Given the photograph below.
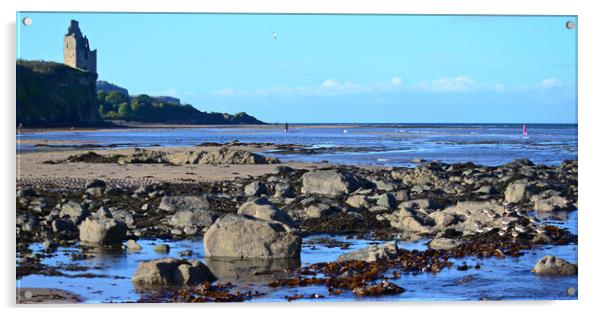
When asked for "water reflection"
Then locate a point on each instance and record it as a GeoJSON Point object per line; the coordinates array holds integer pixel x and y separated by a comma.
{"type": "Point", "coordinates": [251, 271]}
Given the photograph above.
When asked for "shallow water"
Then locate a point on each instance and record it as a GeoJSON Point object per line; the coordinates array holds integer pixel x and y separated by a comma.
{"type": "Point", "coordinates": [381, 144]}
{"type": "Point", "coordinates": [508, 278]}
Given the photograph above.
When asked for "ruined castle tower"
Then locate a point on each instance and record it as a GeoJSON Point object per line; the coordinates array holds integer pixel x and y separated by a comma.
{"type": "Point", "coordinates": [76, 49]}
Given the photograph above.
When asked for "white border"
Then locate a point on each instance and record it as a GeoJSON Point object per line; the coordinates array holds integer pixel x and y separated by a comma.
{"type": "Point", "coordinates": [589, 27]}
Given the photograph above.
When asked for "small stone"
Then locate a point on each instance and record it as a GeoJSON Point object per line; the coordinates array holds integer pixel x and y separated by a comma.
{"type": "Point", "coordinates": [161, 248]}
{"type": "Point", "coordinates": [133, 246]}
{"type": "Point", "coordinates": [185, 253]}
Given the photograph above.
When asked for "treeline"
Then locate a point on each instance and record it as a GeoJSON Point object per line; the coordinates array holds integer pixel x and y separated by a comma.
{"type": "Point", "coordinates": [144, 108]}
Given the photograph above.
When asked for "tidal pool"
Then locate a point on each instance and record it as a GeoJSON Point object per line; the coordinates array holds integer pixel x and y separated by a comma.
{"type": "Point", "coordinates": [497, 279]}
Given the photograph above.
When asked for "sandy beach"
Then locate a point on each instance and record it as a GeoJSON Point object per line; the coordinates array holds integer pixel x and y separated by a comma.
{"type": "Point", "coordinates": [32, 169]}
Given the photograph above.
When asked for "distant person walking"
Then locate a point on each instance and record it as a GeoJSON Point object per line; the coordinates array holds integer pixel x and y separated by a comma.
{"type": "Point", "coordinates": [286, 127]}
{"type": "Point", "coordinates": [524, 130]}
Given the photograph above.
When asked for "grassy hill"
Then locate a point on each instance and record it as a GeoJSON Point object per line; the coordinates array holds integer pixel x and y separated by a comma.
{"type": "Point", "coordinates": [51, 95]}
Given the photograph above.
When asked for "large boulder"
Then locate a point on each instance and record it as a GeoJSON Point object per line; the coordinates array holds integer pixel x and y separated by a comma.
{"type": "Point", "coordinates": [443, 219]}
{"type": "Point", "coordinates": [124, 216]}
{"type": "Point", "coordinates": [283, 190]}
{"type": "Point", "coordinates": [474, 206]}
{"type": "Point", "coordinates": [387, 200]}
{"type": "Point", "coordinates": [263, 209]}
{"type": "Point", "coordinates": [516, 192]}
{"type": "Point", "coordinates": [330, 182]}
{"type": "Point", "coordinates": [255, 188]}
{"type": "Point", "coordinates": [553, 203]}
{"type": "Point", "coordinates": [409, 221]}
{"type": "Point", "coordinates": [102, 231]}
{"type": "Point", "coordinates": [244, 237]}
{"type": "Point", "coordinates": [317, 210]}
{"type": "Point", "coordinates": [192, 218]}
{"type": "Point", "coordinates": [173, 204]}
{"type": "Point", "coordinates": [385, 251]}
{"type": "Point", "coordinates": [170, 271]}
{"type": "Point", "coordinates": [419, 204]}
{"type": "Point", "coordinates": [74, 211]}
{"type": "Point", "coordinates": [551, 265]}
{"type": "Point", "coordinates": [358, 201]}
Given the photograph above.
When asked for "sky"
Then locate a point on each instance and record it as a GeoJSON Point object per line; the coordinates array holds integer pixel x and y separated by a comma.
{"type": "Point", "coordinates": [333, 68]}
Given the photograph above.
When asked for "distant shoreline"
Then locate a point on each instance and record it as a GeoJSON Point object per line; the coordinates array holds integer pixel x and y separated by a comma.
{"type": "Point", "coordinates": [131, 126]}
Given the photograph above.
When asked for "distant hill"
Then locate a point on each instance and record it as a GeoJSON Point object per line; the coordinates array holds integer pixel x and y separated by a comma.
{"type": "Point", "coordinates": [107, 87]}
{"type": "Point", "coordinates": [147, 109]}
{"type": "Point", "coordinates": [50, 94]}
{"type": "Point", "coordinates": [54, 95]}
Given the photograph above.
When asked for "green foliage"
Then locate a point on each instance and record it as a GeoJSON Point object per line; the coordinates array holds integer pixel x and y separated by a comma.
{"type": "Point", "coordinates": [125, 110]}
{"type": "Point", "coordinates": [51, 95]}
{"type": "Point", "coordinates": [144, 108]}
{"type": "Point", "coordinates": [115, 97]}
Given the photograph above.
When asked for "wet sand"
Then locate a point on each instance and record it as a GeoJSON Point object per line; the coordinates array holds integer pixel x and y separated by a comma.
{"type": "Point", "coordinates": [32, 169]}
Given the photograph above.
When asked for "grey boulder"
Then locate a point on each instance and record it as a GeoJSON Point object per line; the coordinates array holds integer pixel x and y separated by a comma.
{"type": "Point", "coordinates": [244, 237]}
{"type": "Point", "coordinates": [330, 182]}
{"type": "Point", "coordinates": [255, 188]}
{"type": "Point", "coordinates": [76, 212]}
{"type": "Point", "coordinates": [102, 231]}
{"type": "Point", "coordinates": [263, 209]}
{"type": "Point", "coordinates": [192, 218]}
{"type": "Point", "coordinates": [171, 271]}
{"type": "Point", "coordinates": [385, 251]}
{"type": "Point", "coordinates": [551, 265]}
{"type": "Point", "coordinates": [516, 192]}
{"type": "Point", "coordinates": [173, 204]}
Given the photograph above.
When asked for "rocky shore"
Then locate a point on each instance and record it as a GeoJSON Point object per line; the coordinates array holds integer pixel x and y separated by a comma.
{"type": "Point", "coordinates": [463, 209]}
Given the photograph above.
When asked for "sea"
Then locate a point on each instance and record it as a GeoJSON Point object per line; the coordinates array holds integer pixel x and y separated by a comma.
{"type": "Point", "coordinates": [372, 144]}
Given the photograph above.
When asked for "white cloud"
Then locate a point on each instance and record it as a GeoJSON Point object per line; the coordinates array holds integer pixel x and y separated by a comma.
{"type": "Point", "coordinates": [396, 81]}
{"type": "Point", "coordinates": [551, 83]}
{"type": "Point", "coordinates": [331, 83]}
{"type": "Point", "coordinates": [457, 84]}
{"type": "Point", "coordinates": [331, 87]}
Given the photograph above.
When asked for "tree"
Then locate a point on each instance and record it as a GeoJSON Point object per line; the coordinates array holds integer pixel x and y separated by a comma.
{"type": "Point", "coordinates": [124, 110]}
{"type": "Point", "coordinates": [101, 96]}
{"type": "Point", "coordinates": [115, 97]}
{"type": "Point", "coordinates": [105, 108]}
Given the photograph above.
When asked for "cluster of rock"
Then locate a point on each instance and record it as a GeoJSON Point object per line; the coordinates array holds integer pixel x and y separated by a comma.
{"type": "Point", "coordinates": [265, 217]}
{"type": "Point", "coordinates": [219, 156]}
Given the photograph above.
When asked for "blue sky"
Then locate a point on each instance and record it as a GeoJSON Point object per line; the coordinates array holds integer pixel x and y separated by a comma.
{"type": "Point", "coordinates": [333, 68]}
